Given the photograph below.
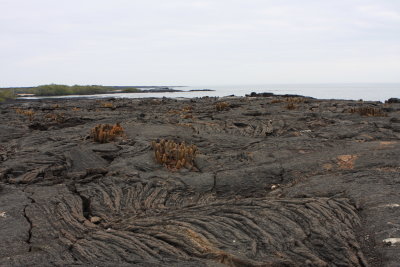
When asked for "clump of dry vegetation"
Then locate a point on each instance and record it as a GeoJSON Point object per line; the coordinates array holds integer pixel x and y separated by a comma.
{"type": "Point", "coordinates": [369, 111]}
{"type": "Point", "coordinates": [57, 117]}
{"type": "Point", "coordinates": [295, 100]}
{"type": "Point", "coordinates": [107, 105]}
{"type": "Point", "coordinates": [220, 106]}
{"type": "Point", "coordinates": [187, 109]}
{"type": "Point", "coordinates": [185, 112]}
{"type": "Point", "coordinates": [277, 100]}
{"type": "Point", "coordinates": [290, 100]}
{"type": "Point", "coordinates": [29, 113]}
{"type": "Point", "coordinates": [290, 106]}
{"type": "Point", "coordinates": [174, 156]}
{"type": "Point", "coordinates": [104, 133]}
{"type": "Point", "coordinates": [187, 116]}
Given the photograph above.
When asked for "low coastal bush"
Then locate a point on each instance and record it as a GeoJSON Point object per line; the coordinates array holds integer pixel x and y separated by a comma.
{"type": "Point", "coordinates": [58, 89]}
{"type": "Point", "coordinates": [104, 133]}
{"type": "Point", "coordinates": [6, 94]}
{"type": "Point", "coordinates": [131, 90]}
{"type": "Point", "coordinates": [368, 112]}
{"type": "Point", "coordinates": [174, 156]}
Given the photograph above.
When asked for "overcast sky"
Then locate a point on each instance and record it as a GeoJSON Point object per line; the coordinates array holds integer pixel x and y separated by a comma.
{"type": "Point", "coordinates": [185, 42]}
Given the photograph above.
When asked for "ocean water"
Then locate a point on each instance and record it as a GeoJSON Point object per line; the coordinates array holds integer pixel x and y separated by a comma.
{"type": "Point", "coordinates": [367, 92]}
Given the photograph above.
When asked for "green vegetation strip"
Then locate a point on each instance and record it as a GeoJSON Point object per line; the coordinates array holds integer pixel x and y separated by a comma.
{"type": "Point", "coordinates": [59, 90]}
{"type": "Point", "coordinates": [6, 94]}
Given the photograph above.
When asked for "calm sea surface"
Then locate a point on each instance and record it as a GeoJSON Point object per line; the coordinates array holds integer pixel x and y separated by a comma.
{"type": "Point", "coordinates": [373, 92]}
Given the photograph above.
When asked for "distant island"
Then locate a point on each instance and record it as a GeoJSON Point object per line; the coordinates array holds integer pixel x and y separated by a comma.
{"type": "Point", "coordinates": [65, 90]}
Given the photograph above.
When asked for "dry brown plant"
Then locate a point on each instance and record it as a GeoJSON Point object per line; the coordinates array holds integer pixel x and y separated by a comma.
{"type": "Point", "coordinates": [174, 156]}
{"type": "Point", "coordinates": [104, 133]}
{"type": "Point", "coordinates": [29, 113]}
{"type": "Point", "coordinates": [57, 117]}
{"type": "Point", "coordinates": [187, 109]}
{"type": "Point", "coordinates": [275, 101]}
{"type": "Point", "coordinates": [369, 112]}
{"type": "Point", "coordinates": [220, 106]}
{"type": "Point", "coordinates": [185, 112]}
{"type": "Point", "coordinates": [295, 100]}
{"type": "Point", "coordinates": [107, 105]}
{"type": "Point", "coordinates": [290, 106]}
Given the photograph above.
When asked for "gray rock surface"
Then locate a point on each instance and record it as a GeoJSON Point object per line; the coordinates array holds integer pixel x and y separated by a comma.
{"type": "Point", "coordinates": [311, 186]}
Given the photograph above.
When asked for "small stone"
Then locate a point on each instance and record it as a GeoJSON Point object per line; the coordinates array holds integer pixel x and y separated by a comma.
{"type": "Point", "coordinates": [95, 219]}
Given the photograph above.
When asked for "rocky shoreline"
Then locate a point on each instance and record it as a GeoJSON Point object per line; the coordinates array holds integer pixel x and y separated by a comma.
{"type": "Point", "coordinates": [276, 181]}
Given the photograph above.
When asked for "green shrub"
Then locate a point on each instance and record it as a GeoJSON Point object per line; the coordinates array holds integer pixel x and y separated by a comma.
{"type": "Point", "coordinates": [130, 90]}
{"type": "Point", "coordinates": [6, 94]}
{"type": "Point", "coordinates": [58, 89]}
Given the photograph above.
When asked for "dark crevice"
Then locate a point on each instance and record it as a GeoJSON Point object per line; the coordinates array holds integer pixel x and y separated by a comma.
{"type": "Point", "coordinates": [85, 206]}
{"type": "Point", "coordinates": [86, 210]}
{"type": "Point", "coordinates": [215, 183]}
{"type": "Point", "coordinates": [109, 157]}
{"type": "Point", "coordinates": [28, 241]}
{"type": "Point", "coordinates": [281, 173]}
{"type": "Point", "coordinates": [29, 196]}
